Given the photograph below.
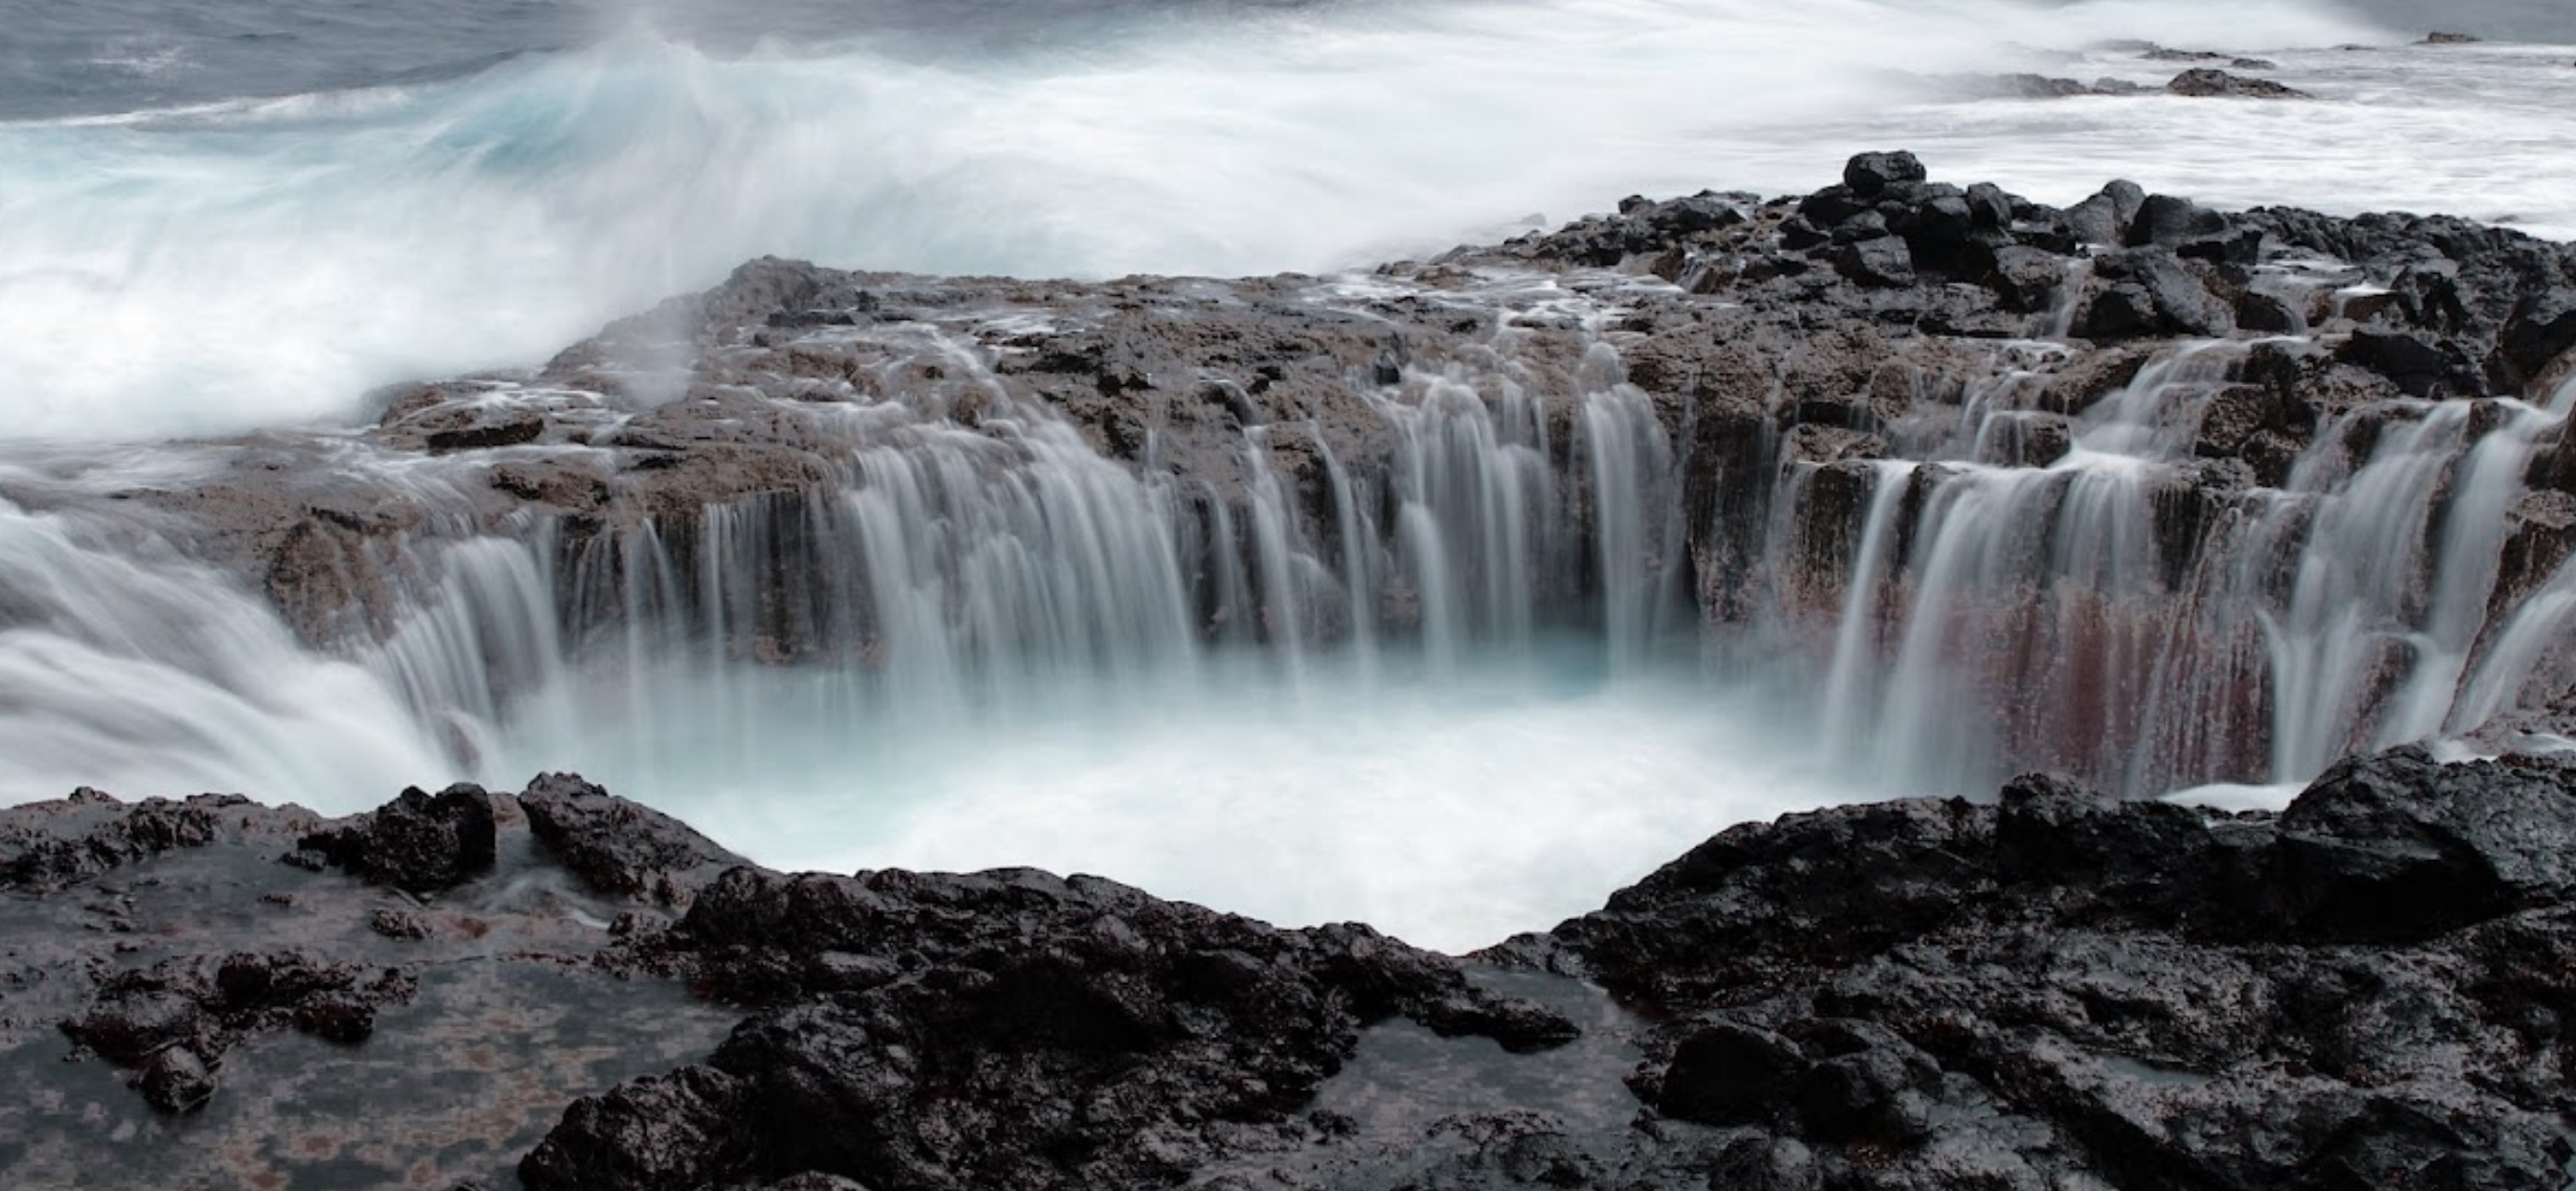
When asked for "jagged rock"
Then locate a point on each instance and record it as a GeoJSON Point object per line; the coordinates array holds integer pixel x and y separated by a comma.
{"type": "Point", "coordinates": [2420, 364]}
{"type": "Point", "coordinates": [2540, 332]}
{"type": "Point", "coordinates": [2105, 217]}
{"type": "Point", "coordinates": [420, 843]}
{"type": "Point", "coordinates": [177, 1081]}
{"type": "Point", "coordinates": [1868, 174]}
{"type": "Point", "coordinates": [48, 844]}
{"type": "Point", "coordinates": [1076, 1033]}
{"type": "Point", "coordinates": [2208, 82]}
{"type": "Point", "coordinates": [1884, 261]}
{"type": "Point", "coordinates": [619, 847]}
{"type": "Point", "coordinates": [2121, 991]}
{"type": "Point", "coordinates": [2399, 847]}
{"type": "Point", "coordinates": [2152, 292]}
{"type": "Point", "coordinates": [691, 1128]}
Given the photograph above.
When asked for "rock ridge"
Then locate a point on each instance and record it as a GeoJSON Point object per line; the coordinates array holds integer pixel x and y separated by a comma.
{"type": "Point", "coordinates": [2048, 990]}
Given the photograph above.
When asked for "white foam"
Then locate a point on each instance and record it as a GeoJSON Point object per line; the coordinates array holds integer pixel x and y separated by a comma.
{"type": "Point", "coordinates": [251, 264]}
{"type": "Point", "coordinates": [1453, 813]}
{"type": "Point", "coordinates": [2232, 796]}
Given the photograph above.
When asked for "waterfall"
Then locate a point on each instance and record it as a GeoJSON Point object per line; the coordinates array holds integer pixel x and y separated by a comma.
{"type": "Point", "coordinates": [2005, 578]}
{"type": "Point", "coordinates": [2113, 614]}
{"type": "Point", "coordinates": [126, 666]}
{"type": "Point", "coordinates": [949, 576]}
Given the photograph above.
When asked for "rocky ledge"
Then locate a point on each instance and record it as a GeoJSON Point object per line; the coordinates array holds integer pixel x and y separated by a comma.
{"type": "Point", "coordinates": [1311, 455]}
{"type": "Point", "coordinates": [560, 989]}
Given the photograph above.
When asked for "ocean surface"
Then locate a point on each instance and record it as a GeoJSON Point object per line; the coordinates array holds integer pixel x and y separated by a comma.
{"type": "Point", "coordinates": [229, 215]}
{"type": "Point", "coordinates": [233, 215]}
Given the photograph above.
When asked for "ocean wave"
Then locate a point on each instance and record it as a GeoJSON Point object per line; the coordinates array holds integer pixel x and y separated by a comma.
{"type": "Point", "coordinates": [251, 263]}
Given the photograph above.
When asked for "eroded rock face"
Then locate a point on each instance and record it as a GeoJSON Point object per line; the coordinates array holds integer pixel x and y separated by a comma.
{"type": "Point", "coordinates": [2049, 990]}
{"type": "Point", "coordinates": [419, 843]}
{"type": "Point", "coordinates": [315, 1028]}
{"type": "Point", "coordinates": [1768, 340]}
{"type": "Point", "coordinates": [618, 847]}
{"type": "Point", "coordinates": [1008, 1028]}
{"type": "Point", "coordinates": [2345, 994]}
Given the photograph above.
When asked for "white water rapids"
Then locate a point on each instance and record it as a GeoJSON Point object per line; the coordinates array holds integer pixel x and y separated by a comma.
{"type": "Point", "coordinates": [1490, 761]}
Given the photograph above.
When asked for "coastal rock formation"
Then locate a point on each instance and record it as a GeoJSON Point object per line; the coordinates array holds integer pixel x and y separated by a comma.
{"type": "Point", "coordinates": [1750, 418]}
{"type": "Point", "coordinates": [2056, 985]}
{"type": "Point", "coordinates": [2048, 990]}
{"type": "Point", "coordinates": [2133, 490]}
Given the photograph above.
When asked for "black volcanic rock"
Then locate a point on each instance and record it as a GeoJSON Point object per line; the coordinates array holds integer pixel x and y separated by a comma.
{"type": "Point", "coordinates": [1883, 261]}
{"type": "Point", "coordinates": [2344, 995]}
{"type": "Point", "coordinates": [47, 844]}
{"type": "Point", "coordinates": [691, 1128]}
{"type": "Point", "coordinates": [1010, 1028]}
{"type": "Point", "coordinates": [619, 847]}
{"type": "Point", "coordinates": [2207, 82]}
{"type": "Point", "coordinates": [2052, 989]}
{"type": "Point", "coordinates": [1869, 174]}
{"type": "Point", "coordinates": [419, 842]}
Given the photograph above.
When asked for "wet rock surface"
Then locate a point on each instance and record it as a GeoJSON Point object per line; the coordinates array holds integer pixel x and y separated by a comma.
{"type": "Point", "coordinates": [1736, 314]}
{"type": "Point", "coordinates": [420, 843]}
{"type": "Point", "coordinates": [2048, 990]}
{"type": "Point", "coordinates": [1865, 322]}
{"type": "Point", "coordinates": [202, 1015]}
{"type": "Point", "coordinates": [2059, 988]}
{"type": "Point", "coordinates": [559, 988]}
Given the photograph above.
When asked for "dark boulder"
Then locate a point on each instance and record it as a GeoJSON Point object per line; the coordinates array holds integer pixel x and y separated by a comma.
{"type": "Point", "coordinates": [619, 847]}
{"type": "Point", "coordinates": [2541, 330]}
{"type": "Point", "coordinates": [1868, 174]}
{"type": "Point", "coordinates": [2104, 218]}
{"type": "Point", "coordinates": [2210, 82]}
{"type": "Point", "coordinates": [2421, 364]}
{"type": "Point", "coordinates": [419, 842]}
{"type": "Point", "coordinates": [2150, 291]}
{"type": "Point", "coordinates": [177, 1081]}
{"type": "Point", "coordinates": [2398, 846]}
{"type": "Point", "coordinates": [1730, 1074]}
{"type": "Point", "coordinates": [1884, 261]}
{"type": "Point", "coordinates": [691, 1128]}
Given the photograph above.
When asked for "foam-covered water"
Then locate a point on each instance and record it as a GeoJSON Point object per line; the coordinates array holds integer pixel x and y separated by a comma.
{"type": "Point", "coordinates": [1453, 808]}
{"type": "Point", "coordinates": [240, 263]}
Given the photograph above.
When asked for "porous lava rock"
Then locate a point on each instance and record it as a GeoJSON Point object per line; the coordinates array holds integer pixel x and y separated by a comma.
{"type": "Point", "coordinates": [419, 843]}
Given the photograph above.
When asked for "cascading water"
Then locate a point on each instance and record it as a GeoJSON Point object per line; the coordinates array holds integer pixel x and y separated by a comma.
{"type": "Point", "coordinates": [124, 664]}
{"type": "Point", "coordinates": [1374, 677]}
{"type": "Point", "coordinates": [977, 607]}
{"type": "Point", "coordinates": [2103, 615]}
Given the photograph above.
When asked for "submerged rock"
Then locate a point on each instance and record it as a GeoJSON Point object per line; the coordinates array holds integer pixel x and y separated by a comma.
{"type": "Point", "coordinates": [2206, 82]}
